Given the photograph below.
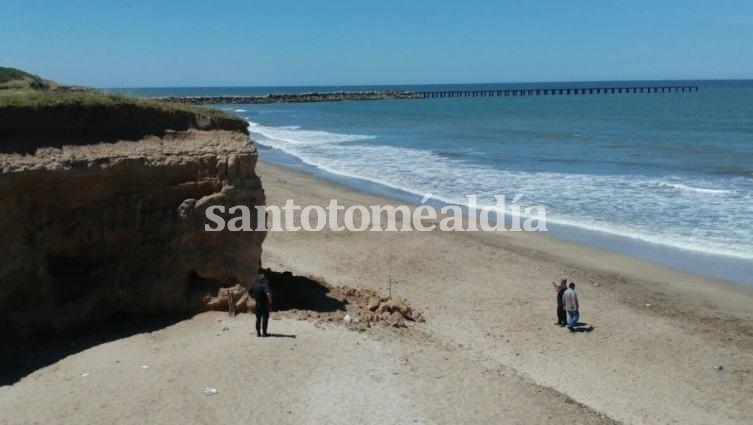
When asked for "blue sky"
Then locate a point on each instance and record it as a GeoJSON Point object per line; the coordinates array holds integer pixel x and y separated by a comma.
{"type": "Point", "coordinates": [138, 43]}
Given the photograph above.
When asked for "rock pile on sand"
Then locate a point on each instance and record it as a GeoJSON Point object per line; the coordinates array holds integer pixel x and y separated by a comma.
{"type": "Point", "coordinates": [368, 307]}
{"type": "Point", "coordinates": [363, 308]}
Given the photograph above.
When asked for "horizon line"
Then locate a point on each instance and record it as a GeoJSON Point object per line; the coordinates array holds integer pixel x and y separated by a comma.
{"type": "Point", "coordinates": [421, 84]}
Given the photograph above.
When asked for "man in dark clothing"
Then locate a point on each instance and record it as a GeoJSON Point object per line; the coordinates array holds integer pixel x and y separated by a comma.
{"type": "Point", "coordinates": [262, 295]}
{"type": "Point", "coordinates": [560, 289]}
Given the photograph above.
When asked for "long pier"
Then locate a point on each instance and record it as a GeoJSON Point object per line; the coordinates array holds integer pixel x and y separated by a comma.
{"type": "Point", "coordinates": [558, 91]}
{"type": "Point", "coordinates": [429, 94]}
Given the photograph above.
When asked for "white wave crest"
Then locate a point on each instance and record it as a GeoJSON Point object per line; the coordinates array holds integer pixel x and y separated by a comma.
{"type": "Point", "coordinates": [692, 189]}
{"type": "Point", "coordinates": [285, 136]}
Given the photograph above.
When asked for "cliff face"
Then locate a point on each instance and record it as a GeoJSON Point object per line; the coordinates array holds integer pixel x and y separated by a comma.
{"type": "Point", "coordinates": [93, 230]}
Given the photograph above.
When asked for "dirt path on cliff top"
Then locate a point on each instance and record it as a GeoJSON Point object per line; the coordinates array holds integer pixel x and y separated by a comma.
{"type": "Point", "coordinates": [668, 347]}
{"type": "Point", "coordinates": [312, 373]}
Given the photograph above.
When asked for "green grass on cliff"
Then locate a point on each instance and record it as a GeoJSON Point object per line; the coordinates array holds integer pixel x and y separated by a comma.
{"type": "Point", "coordinates": [10, 74]}
{"type": "Point", "coordinates": [22, 90]}
{"type": "Point", "coordinates": [63, 97]}
{"type": "Point", "coordinates": [12, 78]}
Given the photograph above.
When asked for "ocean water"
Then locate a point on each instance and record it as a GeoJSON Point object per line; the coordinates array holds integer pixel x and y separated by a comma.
{"type": "Point", "coordinates": [667, 177]}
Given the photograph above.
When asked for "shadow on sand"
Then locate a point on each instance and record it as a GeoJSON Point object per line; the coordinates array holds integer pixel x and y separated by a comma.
{"type": "Point", "coordinates": [20, 358]}
{"type": "Point", "coordinates": [271, 335]}
{"type": "Point", "coordinates": [302, 293]}
{"type": "Point", "coordinates": [582, 327]}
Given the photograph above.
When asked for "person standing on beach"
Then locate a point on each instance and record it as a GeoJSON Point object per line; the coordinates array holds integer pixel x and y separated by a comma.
{"type": "Point", "coordinates": [560, 290]}
{"type": "Point", "coordinates": [570, 300]}
{"type": "Point", "coordinates": [262, 296]}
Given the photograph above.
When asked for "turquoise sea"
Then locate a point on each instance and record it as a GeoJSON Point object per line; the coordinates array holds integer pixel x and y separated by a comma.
{"type": "Point", "coordinates": [665, 177]}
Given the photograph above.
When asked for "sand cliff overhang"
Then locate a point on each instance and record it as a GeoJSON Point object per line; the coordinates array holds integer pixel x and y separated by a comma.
{"type": "Point", "coordinates": [95, 229]}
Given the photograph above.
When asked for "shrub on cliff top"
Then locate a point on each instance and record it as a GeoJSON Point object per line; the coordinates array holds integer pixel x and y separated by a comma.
{"type": "Point", "coordinates": [15, 78]}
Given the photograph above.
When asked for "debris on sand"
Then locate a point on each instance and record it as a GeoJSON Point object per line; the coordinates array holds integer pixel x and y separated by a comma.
{"type": "Point", "coordinates": [305, 298]}
{"type": "Point", "coordinates": [368, 308]}
{"type": "Point", "coordinates": [310, 298]}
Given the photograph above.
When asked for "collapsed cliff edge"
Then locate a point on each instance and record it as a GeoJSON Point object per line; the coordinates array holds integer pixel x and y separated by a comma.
{"type": "Point", "coordinates": [102, 207]}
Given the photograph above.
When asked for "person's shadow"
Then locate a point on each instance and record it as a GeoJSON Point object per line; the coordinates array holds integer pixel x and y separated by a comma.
{"type": "Point", "coordinates": [272, 335]}
{"type": "Point", "coordinates": [582, 327]}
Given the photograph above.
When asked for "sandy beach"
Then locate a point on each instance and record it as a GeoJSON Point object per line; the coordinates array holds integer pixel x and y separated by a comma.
{"type": "Point", "coordinates": [667, 346]}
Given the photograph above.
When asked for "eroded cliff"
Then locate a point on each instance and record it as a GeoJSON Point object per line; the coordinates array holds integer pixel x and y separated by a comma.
{"type": "Point", "coordinates": [89, 231]}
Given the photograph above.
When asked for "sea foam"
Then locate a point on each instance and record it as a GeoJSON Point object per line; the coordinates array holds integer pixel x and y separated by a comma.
{"type": "Point", "coordinates": [660, 212]}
